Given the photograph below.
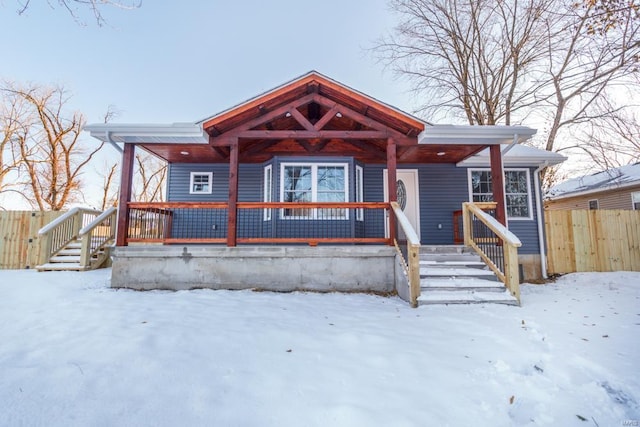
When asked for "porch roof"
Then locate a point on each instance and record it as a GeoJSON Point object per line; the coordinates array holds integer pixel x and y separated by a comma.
{"type": "Point", "coordinates": [311, 115]}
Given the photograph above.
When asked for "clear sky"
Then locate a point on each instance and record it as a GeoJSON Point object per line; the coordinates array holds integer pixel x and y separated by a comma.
{"type": "Point", "coordinates": [172, 61]}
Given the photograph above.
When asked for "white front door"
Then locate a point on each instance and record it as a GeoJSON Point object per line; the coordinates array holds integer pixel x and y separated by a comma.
{"type": "Point", "coordinates": [408, 195]}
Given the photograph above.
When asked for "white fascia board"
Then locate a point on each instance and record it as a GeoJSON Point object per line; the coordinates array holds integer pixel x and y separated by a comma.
{"type": "Point", "coordinates": [174, 133]}
{"type": "Point", "coordinates": [519, 155]}
{"type": "Point", "coordinates": [474, 135]}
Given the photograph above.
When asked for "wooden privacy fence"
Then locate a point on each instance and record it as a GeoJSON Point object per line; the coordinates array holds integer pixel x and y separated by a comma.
{"type": "Point", "coordinates": [592, 240]}
{"type": "Point", "coordinates": [20, 244]}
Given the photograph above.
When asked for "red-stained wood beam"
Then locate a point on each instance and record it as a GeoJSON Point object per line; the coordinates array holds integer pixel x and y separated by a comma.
{"type": "Point", "coordinates": [327, 117]}
{"type": "Point", "coordinates": [391, 184]}
{"type": "Point", "coordinates": [267, 116]}
{"type": "Point", "coordinates": [366, 121]}
{"type": "Point", "coordinates": [233, 196]}
{"type": "Point", "coordinates": [301, 119]}
{"type": "Point", "coordinates": [497, 183]}
{"type": "Point", "coordinates": [126, 179]}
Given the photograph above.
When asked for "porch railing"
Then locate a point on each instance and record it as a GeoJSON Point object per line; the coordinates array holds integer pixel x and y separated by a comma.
{"type": "Point", "coordinates": [408, 245]}
{"type": "Point", "coordinates": [95, 235]}
{"type": "Point", "coordinates": [58, 233]}
{"type": "Point", "coordinates": [257, 222]}
{"type": "Point", "coordinates": [495, 244]}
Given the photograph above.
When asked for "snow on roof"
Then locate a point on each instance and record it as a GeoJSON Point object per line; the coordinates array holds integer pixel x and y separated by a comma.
{"type": "Point", "coordinates": [517, 155]}
{"type": "Point", "coordinates": [621, 177]}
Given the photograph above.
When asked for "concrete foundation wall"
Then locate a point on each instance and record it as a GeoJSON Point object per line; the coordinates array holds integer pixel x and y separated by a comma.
{"type": "Point", "coordinates": [321, 268]}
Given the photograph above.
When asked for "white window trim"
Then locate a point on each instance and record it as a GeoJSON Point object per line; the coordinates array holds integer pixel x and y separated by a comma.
{"type": "Point", "coordinates": [209, 176]}
{"type": "Point", "coordinates": [314, 178]}
{"type": "Point", "coordinates": [268, 190]}
{"type": "Point", "coordinates": [597, 204]}
{"type": "Point", "coordinates": [529, 189]}
{"type": "Point", "coordinates": [359, 192]}
{"type": "Point", "coordinates": [633, 202]}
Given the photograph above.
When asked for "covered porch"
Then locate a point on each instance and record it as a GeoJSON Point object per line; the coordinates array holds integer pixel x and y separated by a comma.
{"type": "Point", "coordinates": [292, 167]}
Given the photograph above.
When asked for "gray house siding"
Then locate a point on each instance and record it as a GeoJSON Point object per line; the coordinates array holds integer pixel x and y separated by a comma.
{"type": "Point", "coordinates": [443, 189]}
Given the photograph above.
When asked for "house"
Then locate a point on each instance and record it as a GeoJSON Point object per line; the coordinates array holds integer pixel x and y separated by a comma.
{"type": "Point", "coordinates": [313, 185]}
{"type": "Point", "coordinates": [617, 188]}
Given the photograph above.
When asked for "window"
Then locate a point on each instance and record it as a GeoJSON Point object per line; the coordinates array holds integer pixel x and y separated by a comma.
{"type": "Point", "coordinates": [593, 204]}
{"type": "Point", "coordinates": [201, 183]}
{"type": "Point", "coordinates": [359, 193]}
{"type": "Point", "coordinates": [516, 185]}
{"type": "Point", "coordinates": [268, 190]}
{"type": "Point", "coordinates": [635, 200]}
{"type": "Point", "coordinates": [301, 183]}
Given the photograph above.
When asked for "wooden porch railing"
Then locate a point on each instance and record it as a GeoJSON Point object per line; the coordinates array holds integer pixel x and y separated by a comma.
{"type": "Point", "coordinates": [58, 233]}
{"type": "Point", "coordinates": [95, 235]}
{"type": "Point", "coordinates": [408, 245]}
{"type": "Point", "coordinates": [256, 222]}
{"type": "Point", "coordinates": [495, 244]}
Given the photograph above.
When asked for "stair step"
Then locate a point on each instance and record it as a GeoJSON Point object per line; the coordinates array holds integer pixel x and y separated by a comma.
{"type": "Point", "coordinates": [460, 284]}
{"type": "Point", "coordinates": [467, 297]}
{"type": "Point", "coordinates": [455, 272]}
{"type": "Point", "coordinates": [60, 266]}
{"type": "Point", "coordinates": [65, 259]}
{"type": "Point", "coordinates": [68, 251]}
{"type": "Point", "coordinates": [445, 249]}
{"type": "Point", "coordinates": [450, 257]}
{"type": "Point", "coordinates": [473, 263]}
{"type": "Point", "coordinates": [74, 245]}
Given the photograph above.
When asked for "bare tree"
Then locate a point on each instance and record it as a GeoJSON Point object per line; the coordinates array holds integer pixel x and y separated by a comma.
{"type": "Point", "coordinates": [499, 62]}
{"type": "Point", "coordinates": [109, 196]}
{"type": "Point", "coordinates": [48, 146]}
{"type": "Point", "coordinates": [94, 6]}
{"type": "Point", "coordinates": [11, 119]}
{"type": "Point", "coordinates": [150, 178]}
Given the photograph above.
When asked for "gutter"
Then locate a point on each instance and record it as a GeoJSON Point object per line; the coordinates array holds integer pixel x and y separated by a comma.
{"type": "Point", "coordinates": [107, 135]}
{"type": "Point", "coordinates": [541, 240]}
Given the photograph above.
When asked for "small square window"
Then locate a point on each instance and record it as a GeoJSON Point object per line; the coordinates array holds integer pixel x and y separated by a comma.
{"type": "Point", "coordinates": [201, 183]}
{"type": "Point", "coordinates": [593, 204]}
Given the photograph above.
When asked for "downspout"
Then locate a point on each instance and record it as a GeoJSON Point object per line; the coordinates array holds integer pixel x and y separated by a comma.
{"type": "Point", "coordinates": [112, 142]}
{"type": "Point", "coordinates": [541, 240]}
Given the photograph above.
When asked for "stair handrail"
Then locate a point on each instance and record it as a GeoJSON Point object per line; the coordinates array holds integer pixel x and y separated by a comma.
{"type": "Point", "coordinates": [93, 242]}
{"type": "Point", "coordinates": [62, 230]}
{"type": "Point", "coordinates": [411, 262]}
{"type": "Point", "coordinates": [504, 239]}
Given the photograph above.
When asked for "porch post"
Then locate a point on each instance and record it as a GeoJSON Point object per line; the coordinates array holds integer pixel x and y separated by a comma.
{"type": "Point", "coordinates": [233, 194]}
{"type": "Point", "coordinates": [126, 178]}
{"type": "Point", "coordinates": [391, 185]}
{"type": "Point", "coordinates": [497, 180]}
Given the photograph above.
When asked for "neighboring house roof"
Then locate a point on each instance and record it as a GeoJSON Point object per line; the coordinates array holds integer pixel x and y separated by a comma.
{"type": "Point", "coordinates": [517, 155]}
{"type": "Point", "coordinates": [625, 176]}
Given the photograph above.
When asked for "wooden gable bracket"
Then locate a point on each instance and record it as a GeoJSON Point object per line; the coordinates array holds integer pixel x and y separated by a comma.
{"type": "Point", "coordinates": [312, 131]}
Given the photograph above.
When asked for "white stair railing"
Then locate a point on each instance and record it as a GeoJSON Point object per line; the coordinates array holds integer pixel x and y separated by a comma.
{"type": "Point", "coordinates": [59, 232]}
{"type": "Point", "coordinates": [408, 247]}
{"type": "Point", "coordinates": [96, 235]}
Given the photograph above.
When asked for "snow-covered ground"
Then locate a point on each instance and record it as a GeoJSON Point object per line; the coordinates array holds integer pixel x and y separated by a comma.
{"type": "Point", "coordinates": [75, 353]}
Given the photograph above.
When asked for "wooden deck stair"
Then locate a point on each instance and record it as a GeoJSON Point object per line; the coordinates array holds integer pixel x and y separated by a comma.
{"type": "Point", "coordinates": [457, 275]}
{"type": "Point", "coordinates": [79, 240]}
{"type": "Point", "coordinates": [68, 259]}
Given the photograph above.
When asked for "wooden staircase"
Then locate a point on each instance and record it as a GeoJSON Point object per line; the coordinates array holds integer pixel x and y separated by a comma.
{"type": "Point", "coordinates": [457, 275]}
{"type": "Point", "coordinates": [78, 240]}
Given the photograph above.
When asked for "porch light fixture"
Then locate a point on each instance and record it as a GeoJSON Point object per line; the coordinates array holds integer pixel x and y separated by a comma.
{"type": "Point", "coordinates": [338, 115]}
{"type": "Point", "coordinates": [441, 153]}
{"type": "Point", "coordinates": [184, 153]}
{"type": "Point", "coordinates": [288, 114]}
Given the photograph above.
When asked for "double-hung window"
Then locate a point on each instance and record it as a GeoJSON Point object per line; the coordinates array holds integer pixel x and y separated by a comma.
{"type": "Point", "coordinates": [635, 200]}
{"type": "Point", "coordinates": [314, 182]}
{"type": "Point", "coordinates": [516, 187]}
